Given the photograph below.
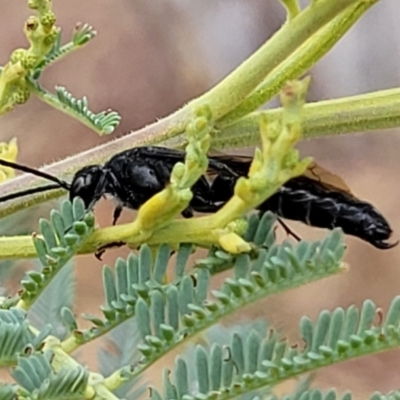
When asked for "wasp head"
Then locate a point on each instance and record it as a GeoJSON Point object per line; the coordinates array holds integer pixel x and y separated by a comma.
{"type": "Point", "coordinates": [88, 184]}
{"type": "Point", "coordinates": [374, 228]}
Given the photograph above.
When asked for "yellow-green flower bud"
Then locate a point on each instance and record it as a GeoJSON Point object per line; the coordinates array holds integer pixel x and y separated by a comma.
{"type": "Point", "coordinates": [48, 19]}
{"type": "Point", "coordinates": [12, 72]}
{"type": "Point", "coordinates": [29, 61]}
{"type": "Point", "coordinates": [18, 55]}
{"type": "Point", "coordinates": [238, 226]}
{"type": "Point", "coordinates": [33, 4]}
{"type": "Point", "coordinates": [290, 159]}
{"type": "Point", "coordinates": [21, 95]}
{"type": "Point", "coordinates": [200, 124]}
{"type": "Point", "coordinates": [234, 244]}
{"type": "Point", "coordinates": [51, 37]}
{"type": "Point", "coordinates": [8, 152]}
{"type": "Point", "coordinates": [204, 112]}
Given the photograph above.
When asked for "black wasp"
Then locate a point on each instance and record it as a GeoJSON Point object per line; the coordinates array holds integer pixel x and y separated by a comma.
{"type": "Point", "coordinates": [133, 176]}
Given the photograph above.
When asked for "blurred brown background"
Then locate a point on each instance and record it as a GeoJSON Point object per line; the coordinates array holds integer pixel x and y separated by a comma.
{"type": "Point", "coordinates": [151, 57]}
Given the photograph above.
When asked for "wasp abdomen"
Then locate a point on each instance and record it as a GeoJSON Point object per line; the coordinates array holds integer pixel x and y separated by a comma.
{"type": "Point", "coordinates": [308, 201]}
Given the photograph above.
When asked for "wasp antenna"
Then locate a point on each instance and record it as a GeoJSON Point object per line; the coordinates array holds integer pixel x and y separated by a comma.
{"type": "Point", "coordinates": [36, 172]}
{"type": "Point", "coordinates": [29, 191]}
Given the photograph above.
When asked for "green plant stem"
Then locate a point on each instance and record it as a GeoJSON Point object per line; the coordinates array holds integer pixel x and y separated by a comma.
{"type": "Point", "coordinates": [367, 112]}
{"type": "Point", "coordinates": [17, 247]}
{"type": "Point", "coordinates": [202, 231]}
{"type": "Point", "coordinates": [199, 231]}
{"type": "Point", "coordinates": [195, 230]}
{"type": "Point", "coordinates": [299, 62]}
{"type": "Point", "coordinates": [65, 50]}
{"type": "Point", "coordinates": [221, 99]}
{"type": "Point", "coordinates": [270, 169]}
{"type": "Point", "coordinates": [240, 83]}
{"type": "Point", "coordinates": [292, 7]}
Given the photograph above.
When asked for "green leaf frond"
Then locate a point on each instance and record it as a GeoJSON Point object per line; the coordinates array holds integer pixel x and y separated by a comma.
{"type": "Point", "coordinates": [394, 395]}
{"type": "Point", "coordinates": [9, 392]}
{"type": "Point", "coordinates": [122, 350]}
{"type": "Point", "coordinates": [103, 122]}
{"type": "Point", "coordinates": [133, 279]}
{"type": "Point", "coordinates": [60, 239]}
{"type": "Point", "coordinates": [331, 394]}
{"type": "Point", "coordinates": [36, 375]}
{"type": "Point", "coordinates": [250, 363]}
{"type": "Point", "coordinates": [58, 295]}
{"type": "Point", "coordinates": [168, 314]}
{"type": "Point", "coordinates": [16, 336]}
{"type": "Point", "coordinates": [314, 394]}
{"type": "Point", "coordinates": [81, 35]}
{"type": "Point", "coordinates": [217, 335]}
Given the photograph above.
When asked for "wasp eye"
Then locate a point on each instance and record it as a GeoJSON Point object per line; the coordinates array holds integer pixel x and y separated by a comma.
{"type": "Point", "coordinates": [80, 182]}
{"type": "Point", "coordinates": [86, 184]}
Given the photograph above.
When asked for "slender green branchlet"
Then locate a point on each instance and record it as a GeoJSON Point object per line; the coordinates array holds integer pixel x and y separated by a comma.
{"type": "Point", "coordinates": [292, 7]}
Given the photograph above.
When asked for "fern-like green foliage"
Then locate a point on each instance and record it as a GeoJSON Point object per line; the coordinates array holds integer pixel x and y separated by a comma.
{"type": "Point", "coordinates": [163, 296]}
{"type": "Point", "coordinates": [35, 374]}
{"type": "Point", "coordinates": [45, 310]}
{"type": "Point", "coordinates": [122, 350]}
{"type": "Point", "coordinates": [103, 122]}
{"type": "Point", "coordinates": [184, 305]}
{"type": "Point", "coordinates": [170, 312]}
{"type": "Point", "coordinates": [16, 336]}
{"type": "Point", "coordinates": [81, 35]}
{"type": "Point", "coordinates": [157, 299]}
{"type": "Point", "coordinates": [394, 395]}
{"type": "Point", "coordinates": [166, 307]}
{"type": "Point", "coordinates": [60, 239]}
{"type": "Point", "coordinates": [248, 363]}
{"type": "Point", "coordinates": [8, 391]}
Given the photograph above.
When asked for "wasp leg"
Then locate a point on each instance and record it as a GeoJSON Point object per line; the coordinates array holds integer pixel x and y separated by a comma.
{"type": "Point", "coordinates": [222, 167]}
{"type": "Point", "coordinates": [117, 213]}
{"type": "Point", "coordinates": [187, 212]}
{"type": "Point", "coordinates": [200, 204]}
{"type": "Point", "coordinates": [289, 231]}
{"type": "Point", "coordinates": [102, 249]}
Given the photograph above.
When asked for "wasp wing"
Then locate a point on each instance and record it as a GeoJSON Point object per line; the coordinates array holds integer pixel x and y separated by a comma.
{"type": "Point", "coordinates": [315, 172]}
{"type": "Point", "coordinates": [327, 178]}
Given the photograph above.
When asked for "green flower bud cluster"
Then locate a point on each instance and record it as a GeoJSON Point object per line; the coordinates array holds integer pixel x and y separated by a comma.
{"type": "Point", "coordinates": [41, 34]}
